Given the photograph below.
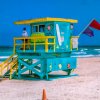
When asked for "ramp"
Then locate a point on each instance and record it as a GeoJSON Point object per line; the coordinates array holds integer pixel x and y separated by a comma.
{"type": "Point", "coordinates": [9, 67]}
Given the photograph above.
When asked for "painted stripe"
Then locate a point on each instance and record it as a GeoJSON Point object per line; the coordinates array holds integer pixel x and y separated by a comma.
{"type": "Point", "coordinates": [58, 34]}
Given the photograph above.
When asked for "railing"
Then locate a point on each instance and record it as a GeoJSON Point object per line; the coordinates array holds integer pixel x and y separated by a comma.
{"type": "Point", "coordinates": [46, 42]}
{"type": "Point", "coordinates": [5, 66]}
{"type": "Point", "coordinates": [13, 67]}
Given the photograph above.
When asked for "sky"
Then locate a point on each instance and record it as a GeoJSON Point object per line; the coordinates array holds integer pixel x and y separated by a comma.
{"type": "Point", "coordinates": [82, 10]}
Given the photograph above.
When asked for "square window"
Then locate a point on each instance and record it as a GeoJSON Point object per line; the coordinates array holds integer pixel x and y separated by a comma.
{"type": "Point", "coordinates": [71, 26]}
{"type": "Point", "coordinates": [41, 28]}
{"type": "Point", "coordinates": [35, 29]}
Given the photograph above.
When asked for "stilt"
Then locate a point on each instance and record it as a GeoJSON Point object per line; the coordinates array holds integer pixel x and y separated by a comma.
{"type": "Point", "coordinates": [19, 69]}
{"type": "Point", "coordinates": [47, 76]}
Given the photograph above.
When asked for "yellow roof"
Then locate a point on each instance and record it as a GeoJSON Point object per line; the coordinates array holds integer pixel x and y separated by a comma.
{"type": "Point", "coordinates": [45, 20]}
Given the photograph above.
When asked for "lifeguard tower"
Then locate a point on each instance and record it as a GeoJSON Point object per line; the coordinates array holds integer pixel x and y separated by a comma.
{"type": "Point", "coordinates": [48, 49]}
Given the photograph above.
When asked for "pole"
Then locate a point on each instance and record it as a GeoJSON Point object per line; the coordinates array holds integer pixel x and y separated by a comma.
{"type": "Point", "coordinates": [85, 27]}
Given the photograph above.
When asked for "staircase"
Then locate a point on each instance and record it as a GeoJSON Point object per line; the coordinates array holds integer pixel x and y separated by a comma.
{"type": "Point", "coordinates": [9, 67]}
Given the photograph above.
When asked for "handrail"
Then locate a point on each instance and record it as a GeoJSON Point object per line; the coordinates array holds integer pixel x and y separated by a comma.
{"type": "Point", "coordinates": [44, 37]}
{"type": "Point", "coordinates": [11, 67]}
{"type": "Point", "coordinates": [6, 60]}
{"type": "Point", "coordinates": [34, 43]}
{"type": "Point", "coordinates": [7, 63]}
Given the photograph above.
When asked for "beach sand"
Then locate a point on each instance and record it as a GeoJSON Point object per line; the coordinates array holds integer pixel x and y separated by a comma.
{"type": "Point", "coordinates": [85, 86]}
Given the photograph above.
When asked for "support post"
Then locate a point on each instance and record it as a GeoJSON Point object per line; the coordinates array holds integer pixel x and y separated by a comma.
{"type": "Point", "coordinates": [47, 76]}
{"type": "Point", "coordinates": [30, 63]}
{"type": "Point", "coordinates": [10, 72]}
{"type": "Point", "coordinates": [19, 69]}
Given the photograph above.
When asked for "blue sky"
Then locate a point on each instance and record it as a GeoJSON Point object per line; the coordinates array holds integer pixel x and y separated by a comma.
{"type": "Point", "coordinates": [82, 10]}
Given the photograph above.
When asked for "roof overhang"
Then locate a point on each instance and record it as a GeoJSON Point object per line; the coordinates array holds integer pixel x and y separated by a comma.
{"type": "Point", "coordinates": [30, 21]}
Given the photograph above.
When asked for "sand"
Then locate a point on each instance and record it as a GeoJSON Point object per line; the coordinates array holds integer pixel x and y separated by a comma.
{"type": "Point", "coordinates": [85, 86]}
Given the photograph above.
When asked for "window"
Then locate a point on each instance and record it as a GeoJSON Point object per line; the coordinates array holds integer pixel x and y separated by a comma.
{"type": "Point", "coordinates": [71, 26]}
{"type": "Point", "coordinates": [41, 28]}
{"type": "Point", "coordinates": [35, 29]}
{"type": "Point", "coordinates": [38, 28]}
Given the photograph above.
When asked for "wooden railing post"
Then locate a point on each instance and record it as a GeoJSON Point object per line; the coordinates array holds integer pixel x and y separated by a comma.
{"type": "Point", "coordinates": [34, 44]}
{"type": "Point", "coordinates": [1, 70]}
{"type": "Point", "coordinates": [24, 44]}
{"type": "Point", "coordinates": [10, 71]}
{"type": "Point", "coordinates": [46, 45]}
